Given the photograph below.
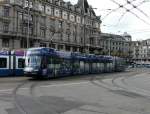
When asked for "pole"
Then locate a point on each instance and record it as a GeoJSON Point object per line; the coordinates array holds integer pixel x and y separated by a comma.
{"type": "Point", "coordinates": [28, 27]}
{"type": "Point", "coordinates": [109, 46]}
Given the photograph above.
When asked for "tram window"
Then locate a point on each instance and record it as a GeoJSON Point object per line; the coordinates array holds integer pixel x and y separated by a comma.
{"type": "Point", "coordinates": [3, 62]}
{"type": "Point", "coordinates": [50, 62]}
{"type": "Point", "coordinates": [44, 62]}
{"type": "Point", "coordinates": [21, 63]}
{"type": "Point", "coordinates": [76, 65]}
{"type": "Point", "coordinates": [81, 64]}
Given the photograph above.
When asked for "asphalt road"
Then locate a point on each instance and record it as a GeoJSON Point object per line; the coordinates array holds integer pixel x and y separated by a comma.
{"type": "Point", "coordinates": [116, 93]}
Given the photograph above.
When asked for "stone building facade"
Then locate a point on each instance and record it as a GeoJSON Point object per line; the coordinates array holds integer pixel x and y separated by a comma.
{"type": "Point", "coordinates": [49, 23]}
{"type": "Point", "coordinates": [116, 45]}
{"type": "Point", "coordinates": [141, 51]}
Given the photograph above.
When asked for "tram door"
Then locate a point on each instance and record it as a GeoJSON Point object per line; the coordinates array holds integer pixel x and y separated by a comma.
{"type": "Point", "coordinates": [5, 66]}
{"type": "Point", "coordinates": [47, 67]}
{"type": "Point", "coordinates": [98, 68]}
{"type": "Point", "coordinates": [19, 65]}
{"type": "Point", "coordinates": [87, 68]}
{"type": "Point", "coordinates": [81, 67]}
{"type": "Point", "coordinates": [76, 67]}
{"type": "Point", "coordinates": [102, 68]}
{"type": "Point", "coordinates": [94, 67]}
{"type": "Point", "coordinates": [108, 67]}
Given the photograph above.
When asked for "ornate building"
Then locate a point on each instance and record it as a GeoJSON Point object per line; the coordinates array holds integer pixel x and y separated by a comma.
{"type": "Point", "coordinates": [141, 51]}
{"type": "Point", "coordinates": [49, 23]}
{"type": "Point", "coordinates": [116, 45]}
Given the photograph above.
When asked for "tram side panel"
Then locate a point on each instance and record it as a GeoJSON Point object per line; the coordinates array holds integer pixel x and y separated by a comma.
{"type": "Point", "coordinates": [75, 67]}
{"type": "Point", "coordinates": [87, 67]}
{"type": "Point", "coordinates": [5, 66]}
{"type": "Point", "coordinates": [19, 66]}
{"type": "Point", "coordinates": [119, 64]}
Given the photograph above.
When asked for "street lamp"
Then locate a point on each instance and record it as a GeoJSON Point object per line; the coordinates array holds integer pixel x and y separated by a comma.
{"type": "Point", "coordinates": [28, 5]}
{"type": "Point", "coordinates": [109, 40]}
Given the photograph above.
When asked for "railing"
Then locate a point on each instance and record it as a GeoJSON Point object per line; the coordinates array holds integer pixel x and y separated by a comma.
{"type": "Point", "coordinates": [5, 1]}
{"type": "Point", "coordinates": [95, 35]}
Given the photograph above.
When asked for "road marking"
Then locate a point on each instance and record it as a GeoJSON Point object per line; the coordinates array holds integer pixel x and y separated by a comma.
{"type": "Point", "coordinates": [6, 90]}
{"type": "Point", "coordinates": [47, 86]}
{"type": "Point", "coordinates": [68, 84]}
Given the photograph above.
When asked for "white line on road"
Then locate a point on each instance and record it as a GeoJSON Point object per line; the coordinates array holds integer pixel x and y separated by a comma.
{"type": "Point", "coordinates": [47, 86]}
{"type": "Point", "coordinates": [68, 84]}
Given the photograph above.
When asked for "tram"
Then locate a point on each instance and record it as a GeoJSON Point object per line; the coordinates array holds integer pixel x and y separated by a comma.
{"type": "Point", "coordinates": [119, 64]}
{"type": "Point", "coordinates": [49, 63]}
{"type": "Point", "coordinates": [12, 63]}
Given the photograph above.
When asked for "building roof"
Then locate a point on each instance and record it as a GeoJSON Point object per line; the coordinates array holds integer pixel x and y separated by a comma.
{"type": "Point", "coordinates": [112, 36]}
{"type": "Point", "coordinates": [84, 5]}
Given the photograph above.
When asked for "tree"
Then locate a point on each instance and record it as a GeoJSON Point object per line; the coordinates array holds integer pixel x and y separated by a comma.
{"type": "Point", "coordinates": [54, 31]}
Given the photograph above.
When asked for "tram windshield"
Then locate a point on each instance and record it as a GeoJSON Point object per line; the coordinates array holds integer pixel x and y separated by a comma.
{"type": "Point", "coordinates": [33, 61]}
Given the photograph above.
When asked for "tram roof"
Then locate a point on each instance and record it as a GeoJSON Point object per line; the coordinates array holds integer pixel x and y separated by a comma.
{"type": "Point", "coordinates": [79, 56]}
{"type": "Point", "coordinates": [14, 52]}
{"type": "Point", "coordinates": [4, 52]}
{"type": "Point", "coordinates": [64, 54]}
{"type": "Point", "coordinates": [19, 52]}
{"type": "Point", "coordinates": [42, 50]}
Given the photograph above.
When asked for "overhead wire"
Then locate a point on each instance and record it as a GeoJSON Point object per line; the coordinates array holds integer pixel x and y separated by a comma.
{"type": "Point", "coordinates": [128, 10]}
{"type": "Point", "coordinates": [114, 10]}
{"type": "Point", "coordinates": [134, 7]}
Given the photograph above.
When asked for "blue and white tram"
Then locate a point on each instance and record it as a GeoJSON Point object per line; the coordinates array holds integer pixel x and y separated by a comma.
{"type": "Point", "coordinates": [47, 62]}
{"type": "Point", "coordinates": [5, 63]}
{"type": "Point", "coordinates": [18, 62]}
{"type": "Point", "coordinates": [63, 61]}
{"type": "Point", "coordinates": [40, 62]}
{"type": "Point", "coordinates": [108, 64]}
{"type": "Point", "coordinates": [80, 64]}
{"type": "Point", "coordinates": [120, 64]}
{"type": "Point", "coordinates": [12, 63]}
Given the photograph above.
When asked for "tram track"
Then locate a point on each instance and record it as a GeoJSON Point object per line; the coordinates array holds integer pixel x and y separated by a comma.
{"type": "Point", "coordinates": [113, 85]}
{"type": "Point", "coordinates": [16, 100]}
{"type": "Point", "coordinates": [32, 96]}
{"type": "Point", "coordinates": [32, 87]}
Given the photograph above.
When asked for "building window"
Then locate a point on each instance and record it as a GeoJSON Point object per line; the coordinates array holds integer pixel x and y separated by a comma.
{"type": "Point", "coordinates": [52, 45]}
{"type": "Point", "coordinates": [91, 41]}
{"type": "Point", "coordinates": [60, 24]}
{"type": "Point", "coordinates": [43, 20]}
{"type": "Point", "coordinates": [6, 27]}
{"type": "Point", "coordinates": [6, 11]}
{"type": "Point", "coordinates": [52, 22]}
{"type": "Point", "coordinates": [57, 13]}
{"type": "Point", "coordinates": [23, 43]}
{"type": "Point", "coordinates": [31, 31]}
{"type": "Point", "coordinates": [67, 48]}
{"type": "Point", "coordinates": [50, 1]}
{"type": "Point", "coordinates": [27, 17]}
{"type": "Point", "coordinates": [60, 47]}
{"type": "Point", "coordinates": [75, 33]}
{"type": "Point", "coordinates": [42, 44]}
{"type": "Point", "coordinates": [42, 32]}
{"type": "Point", "coordinates": [81, 40]}
{"type": "Point", "coordinates": [5, 43]}
{"type": "Point", "coordinates": [25, 30]}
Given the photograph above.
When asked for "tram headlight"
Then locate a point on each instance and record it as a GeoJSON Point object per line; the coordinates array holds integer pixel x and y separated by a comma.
{"type": "Point", "coordinates": [35, 70]}
{"type": "Point", "coordinates": [28, 69]}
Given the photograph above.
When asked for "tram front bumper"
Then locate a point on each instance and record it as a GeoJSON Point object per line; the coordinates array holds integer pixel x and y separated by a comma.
{"type": "Point", "coordinates": [31, 71]}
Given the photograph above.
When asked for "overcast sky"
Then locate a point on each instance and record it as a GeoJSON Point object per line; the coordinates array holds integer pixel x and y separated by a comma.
{"type": "Point", "coordinates": [139, 29]}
